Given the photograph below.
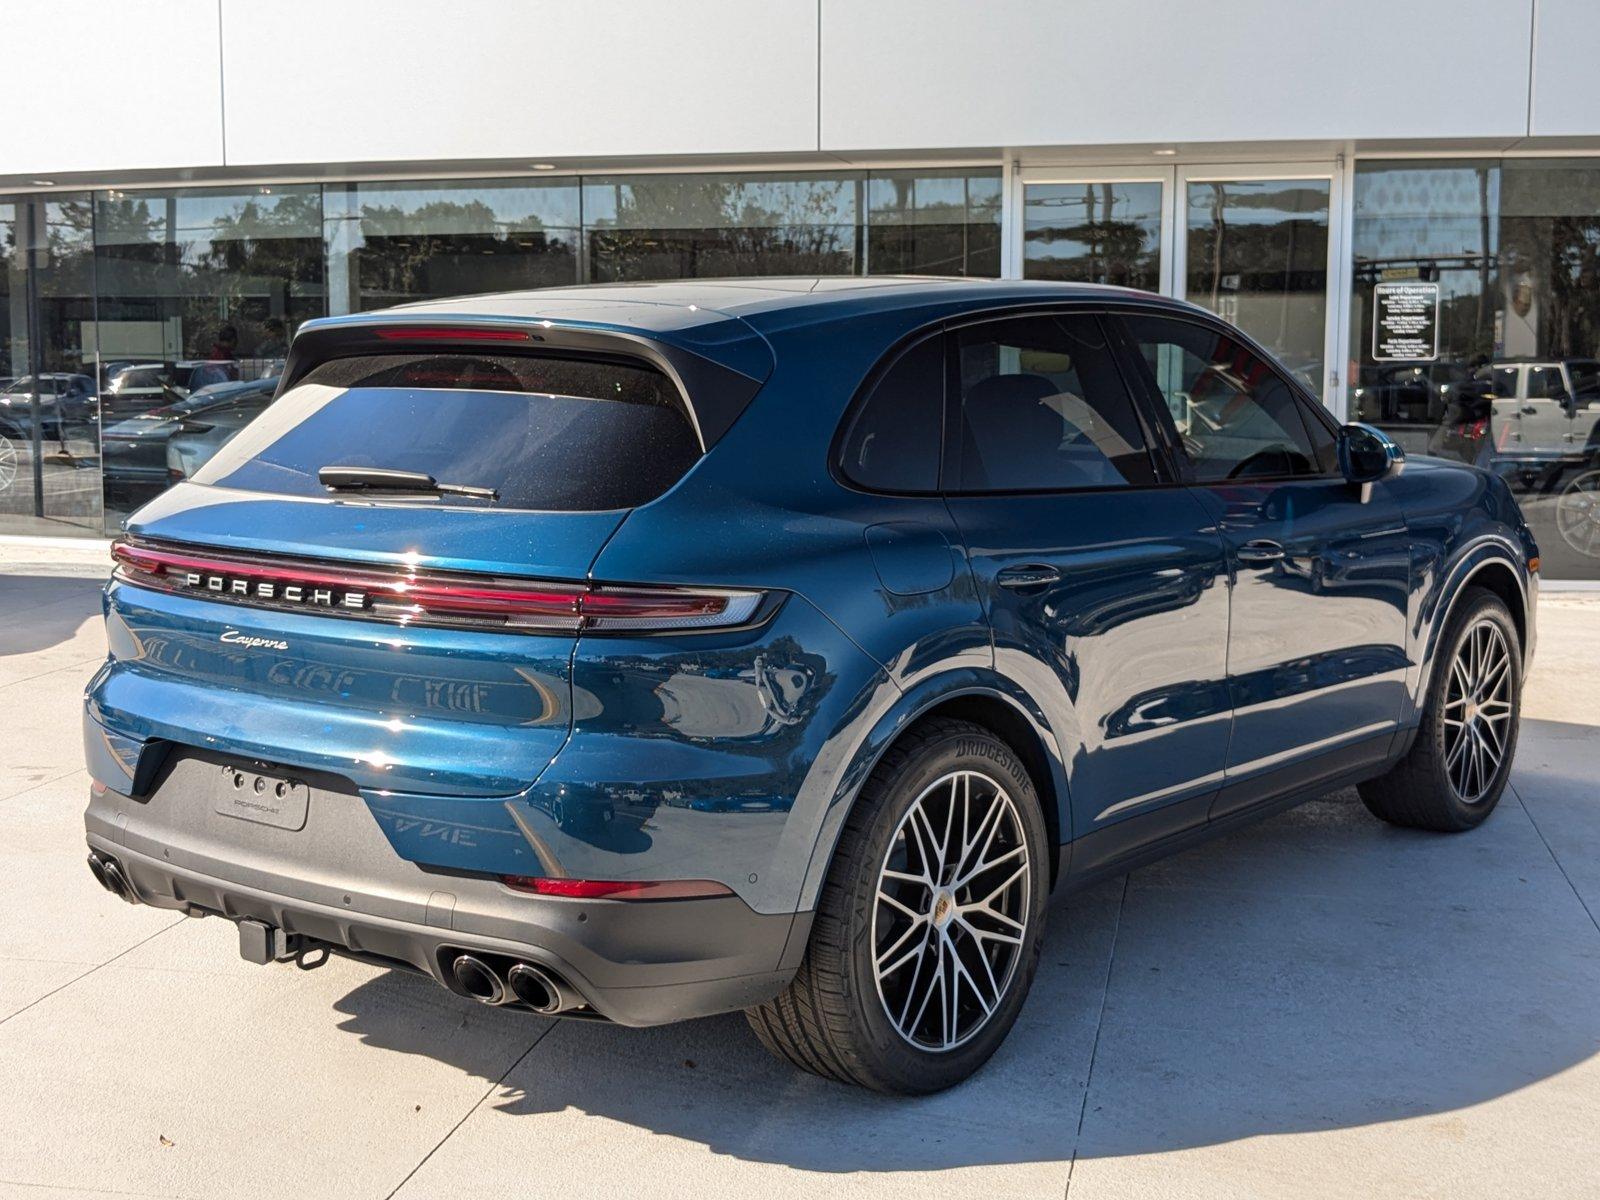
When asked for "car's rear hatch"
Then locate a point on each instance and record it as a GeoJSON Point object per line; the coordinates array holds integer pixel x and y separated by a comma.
{"type": "Point", "coordinates": [409, 636]}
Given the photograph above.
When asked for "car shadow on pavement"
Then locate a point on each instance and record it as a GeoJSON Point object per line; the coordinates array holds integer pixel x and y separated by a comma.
{"type": "Point", "coordinates": [41, 611]}
{"type": "Point", "coordinates": [1316, 971]}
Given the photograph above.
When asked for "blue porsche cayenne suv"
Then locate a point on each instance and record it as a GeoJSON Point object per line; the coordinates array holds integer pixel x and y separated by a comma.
{"type": "Point", "coordinates": [636, 653]}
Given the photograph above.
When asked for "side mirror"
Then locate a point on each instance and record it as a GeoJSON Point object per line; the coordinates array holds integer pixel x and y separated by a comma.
{"type": "Point", "coordinates": [1367, 454]}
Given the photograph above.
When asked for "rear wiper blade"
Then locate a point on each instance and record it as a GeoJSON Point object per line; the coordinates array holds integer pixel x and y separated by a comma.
{"type": "Point", "coordinates": [388, 479]}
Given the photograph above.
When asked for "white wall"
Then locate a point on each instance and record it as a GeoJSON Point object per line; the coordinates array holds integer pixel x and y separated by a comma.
{"type": "Point", "coordinates": [904, 73]}
{"type": "Point", "coordinates": [363, 80]}
{"type": "Point", "coordinates": [108, 85]}
{"type": "Point", "coordinates": [1566, 68]}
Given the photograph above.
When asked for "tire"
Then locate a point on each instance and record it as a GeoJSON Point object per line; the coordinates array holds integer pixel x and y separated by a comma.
{"type": "Point", "coordinates": [839, 1018]}
{"type": "Point", "coordinates": [1441, 784]}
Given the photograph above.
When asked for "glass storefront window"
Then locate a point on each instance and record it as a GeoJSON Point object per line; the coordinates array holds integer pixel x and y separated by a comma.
{"type": "Point", "coordinates": [1094, 232]}
{"type": "Point", "coordinates": [199, 288]}
{"type": "Point", "coordinates": [388, 243]}
{"type": "Point", "coordinates": [1475, 329]}
{"type": "Point", "coordinates": [933, 223]}
{"type": "Point", "coordinates": [49, 432]}
{"type": "Point", "coordinates": [689, 226]}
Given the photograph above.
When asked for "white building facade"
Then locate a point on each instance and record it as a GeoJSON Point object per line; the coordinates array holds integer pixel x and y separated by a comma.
{"type": "Point", "coordinates": [1401, 200]}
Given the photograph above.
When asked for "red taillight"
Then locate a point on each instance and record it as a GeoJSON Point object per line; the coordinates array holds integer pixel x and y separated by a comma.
{"type": "Point", "coordinates": [450, 333]}
{"type": "Point", "coordinates": [410, 596]}
{"type": "Point", "coordinates": [617, 889]}
{"type": "Point", "coordinates": [1474, 429]}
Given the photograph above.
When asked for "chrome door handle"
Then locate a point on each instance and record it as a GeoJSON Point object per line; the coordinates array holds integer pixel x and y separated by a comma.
{"type": "Point", "coordinates": [1033, 575]}
{"type": "Point", "coordinates": [1262, 550]}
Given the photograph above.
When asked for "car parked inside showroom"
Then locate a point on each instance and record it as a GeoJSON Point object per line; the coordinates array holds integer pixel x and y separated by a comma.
{"type": "Point", "coordinates": [638, 653]}
{"type": "Point", "coordinates": [136, 452]}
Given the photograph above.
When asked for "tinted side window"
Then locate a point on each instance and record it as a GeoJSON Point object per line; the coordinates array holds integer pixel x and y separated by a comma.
{"type": "Point", "coordinates": [894, 439]}
{"type": "Point", "coordinates": [1545, 383]}
{"type": "Point", "coordinates": [1236, 416]}
{"type": "Point", "coordinates": [1043, 407]}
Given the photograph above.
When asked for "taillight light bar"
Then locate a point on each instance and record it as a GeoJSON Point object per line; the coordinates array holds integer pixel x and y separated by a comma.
{"type": "Point", "coordinates": [450, 333]}
{"type": "Point", "coordinates": [617, 889]}
{"type": "Point", "coordinates": [410, 596]}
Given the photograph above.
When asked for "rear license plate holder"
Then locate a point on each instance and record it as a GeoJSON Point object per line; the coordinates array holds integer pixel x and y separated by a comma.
{"type": "Point", "coordinates": [263, 798]}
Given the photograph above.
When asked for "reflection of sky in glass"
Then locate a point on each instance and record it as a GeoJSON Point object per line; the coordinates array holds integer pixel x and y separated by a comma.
{"type": "Point", "coordinates": [1052, 208]}
{"type": "Point", "coordinates": [933, 197]}
{"type": "Point", "coordinates": [1259, 201]}
{"type": "Point", "coordinates": [1411, 213]}
{"type": "Point", "coordinates": [140, 218]}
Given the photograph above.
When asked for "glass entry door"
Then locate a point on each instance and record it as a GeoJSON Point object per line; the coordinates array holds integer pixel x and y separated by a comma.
{"type": "Point", "coordinates": [1257, 245]}
{"type": "Point", "coordinates": [1257, 249]}
{"type": "Point", "coordinates": [1098, 227]}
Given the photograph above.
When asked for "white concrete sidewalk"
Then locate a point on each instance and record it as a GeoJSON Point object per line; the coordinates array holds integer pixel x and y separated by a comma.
{"type": "Point", "coordinates": [1317, 1006]}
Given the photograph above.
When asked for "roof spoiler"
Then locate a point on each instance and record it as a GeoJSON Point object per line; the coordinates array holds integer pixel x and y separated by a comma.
{"type": "Point", "coordinates": [718, 374]}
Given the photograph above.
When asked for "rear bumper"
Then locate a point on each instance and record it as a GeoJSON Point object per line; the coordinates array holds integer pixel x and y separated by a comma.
{"type": "Point", "coordinates": [635, 963]}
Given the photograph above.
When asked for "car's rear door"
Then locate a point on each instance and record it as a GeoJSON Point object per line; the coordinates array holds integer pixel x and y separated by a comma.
{"type": "Point", "coordinates": [1103, 581]}
{"type": "Point", "coordinates": [1320, 569]}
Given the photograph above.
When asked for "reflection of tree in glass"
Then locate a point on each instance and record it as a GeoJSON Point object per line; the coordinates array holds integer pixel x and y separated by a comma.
{"type": "Point", "coordinates": [262, 261]}
{"type": "Point", "coordinates": [448, 247]}
{"type": "Point", "coordinates": [721, 227]}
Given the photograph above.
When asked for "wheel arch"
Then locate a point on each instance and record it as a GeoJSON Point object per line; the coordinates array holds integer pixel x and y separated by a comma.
{"type": "Point", "coordinates": [1492, 564]}
{"type": "Point", "coordinates": [979, 696]}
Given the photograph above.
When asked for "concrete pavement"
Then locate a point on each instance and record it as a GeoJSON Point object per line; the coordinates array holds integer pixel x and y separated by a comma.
{"type": "Point", "coordinates": [1318, 1006]}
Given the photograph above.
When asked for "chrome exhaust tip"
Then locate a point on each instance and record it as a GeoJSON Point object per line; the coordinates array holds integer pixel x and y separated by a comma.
{"type": "Point", "coordinates": [478, 979]}
{"type": "Point", "coordinates": [540, 990]}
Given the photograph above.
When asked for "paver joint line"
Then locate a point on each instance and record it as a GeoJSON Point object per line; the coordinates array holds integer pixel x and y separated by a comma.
{"type": "Point", "coordinates": [1099, 1022]}
{"type": "Point", "coordinates": [489, 1091]}
{"type": "Point", "coordinates": [1549, 849]}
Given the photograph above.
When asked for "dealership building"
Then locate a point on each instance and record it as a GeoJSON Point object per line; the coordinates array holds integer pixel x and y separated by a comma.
{"type": "Point", "coordinates": [1402, 201]}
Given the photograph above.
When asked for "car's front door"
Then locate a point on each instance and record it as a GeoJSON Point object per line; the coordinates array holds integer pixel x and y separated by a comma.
{"type": "Point", "coordinates": [1320, 568]}
{"type": "Point", "coordinates": [1103, 580]}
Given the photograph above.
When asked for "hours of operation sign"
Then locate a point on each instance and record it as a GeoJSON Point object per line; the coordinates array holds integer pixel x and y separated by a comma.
{"type": "Point", "coordinates": [1405, 322]}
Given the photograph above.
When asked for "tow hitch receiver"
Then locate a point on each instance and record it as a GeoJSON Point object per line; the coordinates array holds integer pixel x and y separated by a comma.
{"type": "Point", "coordinates": [261, 943]}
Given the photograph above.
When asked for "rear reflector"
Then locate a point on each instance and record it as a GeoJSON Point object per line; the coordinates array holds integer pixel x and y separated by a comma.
{"type": "Point", "coordinates": [407, 596]}
{"type": "Point", "coordinates": [450, 333]}
{"type": "Point", "coordinates": [614, 889]}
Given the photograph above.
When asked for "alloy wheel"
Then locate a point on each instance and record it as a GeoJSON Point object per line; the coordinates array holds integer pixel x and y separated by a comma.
{"type": "Point", "coordinates": [950, 915]}
{"type": "Point", "coordinates": [8, 463]}
{"type": "Point", "coordinates": [1477, 711]}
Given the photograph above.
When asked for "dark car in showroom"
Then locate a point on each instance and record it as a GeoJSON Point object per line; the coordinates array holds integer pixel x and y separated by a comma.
{"type": "Point", "coordinates": [639, 653]}
{"type": "Point", "coordinates": [135, 450]}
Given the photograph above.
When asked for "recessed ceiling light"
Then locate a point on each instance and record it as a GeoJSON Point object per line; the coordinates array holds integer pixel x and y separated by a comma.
{"type": "Point", "coordinates": [43, 182]}
{"type": "Point", "coordinates": [543, 166]}
{"type": "Point", "coordinates": [1165, 153]}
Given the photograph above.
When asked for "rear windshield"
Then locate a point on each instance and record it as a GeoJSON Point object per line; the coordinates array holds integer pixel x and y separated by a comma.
{"type": "Point", "coordinates": [542, 433]}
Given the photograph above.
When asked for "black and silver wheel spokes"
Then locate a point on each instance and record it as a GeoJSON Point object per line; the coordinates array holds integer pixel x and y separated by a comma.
{"type": "Point", "coordinates": [1478, 709]}
{"type": "Point", "coordinates": [951, 909]}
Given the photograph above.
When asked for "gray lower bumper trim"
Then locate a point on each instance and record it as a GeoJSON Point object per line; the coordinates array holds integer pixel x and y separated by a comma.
{"type": "Point", "coordinates": [633, 963]}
